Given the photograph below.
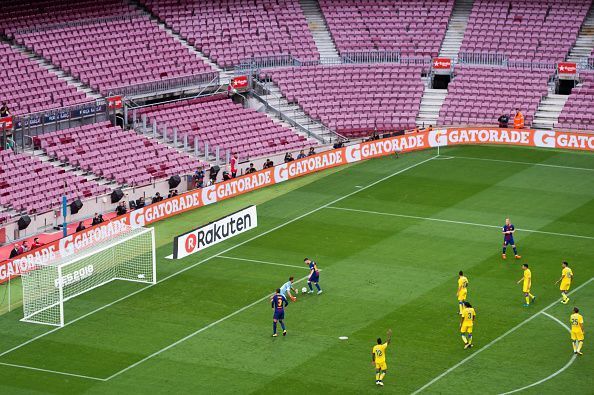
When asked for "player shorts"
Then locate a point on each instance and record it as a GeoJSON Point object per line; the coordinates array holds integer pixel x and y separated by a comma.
{"type": "Point", "coordinates": [279, 315]}
{"type": "Point", "coordinates": [509, 242]}
{"type": "Point", "coordinates": [314, 278]}
{"type": "Point", "coordinates": [466, 329]}
{"type": "Point", "coordinates": [577, 335]}
{"type": "Point", "coordinates": [381, 366]}
{"type": "Point", "coordinates": [565, 286]}
{"type": "Point", "coordinates": [462, 296]}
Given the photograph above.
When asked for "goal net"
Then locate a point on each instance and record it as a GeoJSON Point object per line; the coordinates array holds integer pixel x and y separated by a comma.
{"type": "Point", "coordinates": [129, 256]}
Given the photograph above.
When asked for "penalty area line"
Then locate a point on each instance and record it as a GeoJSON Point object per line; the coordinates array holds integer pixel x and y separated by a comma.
{"type": "Point", "coordinates": [191, 335]}
{"type": "Point", "coordinates": [523, 163]}
{"type": "Point", "coordinates": [52, 371]}
{"type": "Point", "coordinates": [563, 369]}
{"type": "Point", "coordinates": [488, 345]}
{"type": "Point", "coordinates": [262, 262]}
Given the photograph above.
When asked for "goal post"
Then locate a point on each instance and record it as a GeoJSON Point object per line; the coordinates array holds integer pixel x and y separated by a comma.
{"type": "Point", "coordinates": [129, 256]}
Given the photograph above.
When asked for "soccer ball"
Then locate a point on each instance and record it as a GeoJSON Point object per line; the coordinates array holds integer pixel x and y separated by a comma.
{"type": "Point", "coordinates": [303, 290]}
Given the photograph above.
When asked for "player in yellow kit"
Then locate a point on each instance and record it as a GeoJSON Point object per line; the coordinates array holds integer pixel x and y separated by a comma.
{"type": "Point", "coordinates": [527, 285]}
{"type": "Point", "coordinates": [565, 280]}
{"type": "Point", "coordinates": [577, 331]}
{"type": "Point", "coordinates": [462, 290]}
{"type": "Point", "coordinates": [466, 324]}
{"type": "Point", "coordinates": [378, 358]}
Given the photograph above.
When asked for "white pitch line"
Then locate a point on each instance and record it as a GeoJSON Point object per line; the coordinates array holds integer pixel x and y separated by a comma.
{"type": "Point", "coordinates": [263, 262]}
{"type": "Point", "coordinates": [563, 369]}
{"type": "Point", "coordinates": [523, 163]}
{"type": "Point", "coordinates": [477, 352]}
{"type": "Point", "coordinates": [52, 371]}
{"type": "Point", "coordinates": [458, 222]}
{"type": "Point", "coordinates": [191, 335]}
{"type": "Point", "coordinates": [216, 255]}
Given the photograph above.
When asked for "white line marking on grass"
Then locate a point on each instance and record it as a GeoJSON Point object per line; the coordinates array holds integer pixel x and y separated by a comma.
{"type": "Point", "coordinates": [52, 371]}
{"type": "Point", "coordinates": [524, 163]}
{"type": "Point", "coordinates": [564, 368]}
{"type": "Point", "coordinates": [216, 255]}
{"type": "Point", "coordinates": [263, 262]}
{"type": "Point", "coordinates": [458, 222]}
{"type": "Point", "coordinates": [191, 335]}
{"type": "Point", "coordinates": [477, 352]}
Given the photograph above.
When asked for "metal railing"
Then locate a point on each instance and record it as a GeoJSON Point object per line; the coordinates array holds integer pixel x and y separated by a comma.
{"type": "Point", "coordinates": [183, 82]}
{"type": "Point", "coordinates": [482, 58]}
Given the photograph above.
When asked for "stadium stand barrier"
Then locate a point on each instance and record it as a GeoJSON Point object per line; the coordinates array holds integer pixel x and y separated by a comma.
{"type": "Point", "coordinates": [199, 80]}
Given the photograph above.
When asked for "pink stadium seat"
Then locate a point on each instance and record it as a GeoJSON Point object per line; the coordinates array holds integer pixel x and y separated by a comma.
{"type": "Point", "coordinates": [577, 113]}
{"type": "Point", "coordinates": [355, 100]}
{"type": "Point", "coordinates": [229, 126]}
{"type": "Point", "coordinates": [116, 154]}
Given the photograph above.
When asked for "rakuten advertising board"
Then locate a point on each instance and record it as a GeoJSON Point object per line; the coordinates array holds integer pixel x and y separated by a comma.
{"type": "Point", "coordinates": [215, 232]}
{"type": "Point", "coordinates": [287, 171]}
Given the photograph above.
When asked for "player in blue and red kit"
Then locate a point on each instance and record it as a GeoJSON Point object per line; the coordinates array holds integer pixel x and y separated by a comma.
{"type": "Point", "coordinates": [279, 302]}
{"type": "Point", "coordinates": [314, 275]}
{"type": "Point", "coordinates": [508, 238]}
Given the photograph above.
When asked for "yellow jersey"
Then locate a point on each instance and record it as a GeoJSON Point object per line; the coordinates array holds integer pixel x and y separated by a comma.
{"type": "Point", "coordinates": [576, 319]}
{"type": "Point", "coordinates": [379, 350]}
{"type": "Point", "coordinates": [567, 275]}
{"type": "Point", "coordinates": [469, 315]}
{"type": "Point", "coordinates": [462, 283]}
{"type": "Point", "coordinates": [527, 276]}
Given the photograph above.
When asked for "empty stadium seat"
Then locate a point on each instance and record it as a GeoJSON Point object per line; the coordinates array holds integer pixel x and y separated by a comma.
{"type": "Point", "coordinates": [229, 126]}
{"type": "Point", "coordinates": [116, 154]}
{"type": "Point", "coordinates": [577, 113]}
{"type": "Point", "coordinates": [355, 100]}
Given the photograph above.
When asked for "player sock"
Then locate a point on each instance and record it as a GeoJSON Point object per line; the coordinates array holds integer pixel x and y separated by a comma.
{"type": "Point", "coordinates": [515, 251]}
{"type": "Point", "coordinates": [464, 339]}
{"type": "Point", "coordinates": [382, 375]}
{"type": "Point", "coordinates": [504, 248]}
{"type": "Point", "coordinates": [527, 299]}
{"type": "Point", "coordinates": [531, 296]}
{"type": "Point", "coordinates": [310, 286]}
{"type": "Point", "coordinates": [461, 304]}
{"type": "Point", "coordinates": [318, 287]}
{"type": "Point", "coordinates": [282, 325]}
{"type": "Point", "coordinates": [377, 377]}
{"type": "Point", "coordinates": [469, 339]}
{"type": "Point", "coordinates": [574, 345]}
{"type": "Point", "coordinates": [579, 345]}
{"type": "Point", "coordinates": [274, 327]}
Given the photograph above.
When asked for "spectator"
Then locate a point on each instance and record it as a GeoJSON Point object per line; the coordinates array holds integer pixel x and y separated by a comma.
{"type": "Point", "coordinates": [157, 198]}
{"type": "Point", "coordinates": [199, 177]}
{"type": "Point", "coordinates": [121, 208]}
{"type": "Point", "coordinates": [175, 192]}
{"type": "Point", "coordinates": [503, 121]}
{"type": "Point", "coordinates": [4, 111]}
{"type": "Point", "coordinates": [251, 169]}
{"type": "Point", "coordinates": [288, 157]}
{"type": "Point", "coordinates": [25, 246]}
{"type": "Point", "coordinates": [268, 164]}
{"type": "Point", "coordinates": [80, 227]}
{"type": "Point", "coordinates": [140, 202]}
{"type": "Point", "coordinates": [234, 165]}
{"type": "Point", "coordinates": [20, 249]}
{"type": "Point", "coordinates": [10, 145]}
{"type": "Point", "coordinates": [430, 128]}
{"type": "Point", "coordinates": [301, 154]}
{"type": "Point", "coordinates": [100, 220]}
{"type": "Point", "coordinates": [338, 144]}
{"type": "Point", "coordinates": [14, 252]}
{"type": "Point", "coordinates": [518, 119]}
{"type": "Point", "coordinates": [169, 194]}
{"type": "Point", "coordinates": [226, 176]}
{"type": "Point", "coordinates": [311, 151]}
{"type": "Point", "coordinates": [36, 243]}
{"type": "Point", "coordinates": [95, 220]}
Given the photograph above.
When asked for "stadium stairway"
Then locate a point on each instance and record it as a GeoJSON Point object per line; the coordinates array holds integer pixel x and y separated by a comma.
{"type": "Point", "coordinates": [452, 40]}
{"type": "Point", "coordinates": [319, 29]}
{"type": "Point", "coordinates": [275, 99]}
{"type": "Point", "coordinates": [50, 67]}
{"type": "Point", "coordinates": [584, 44]}
{"type": "Point", "coordinates": [548, 111]}
{"type": "Point", "coordinates": [431, 103]}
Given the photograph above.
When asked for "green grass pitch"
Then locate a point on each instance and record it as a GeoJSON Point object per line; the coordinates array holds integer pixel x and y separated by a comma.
{"type": "Point", "coordinates": [390, 236]}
